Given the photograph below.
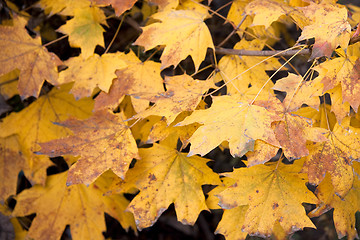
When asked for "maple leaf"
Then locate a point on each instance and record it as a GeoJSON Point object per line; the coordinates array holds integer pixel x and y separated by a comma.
{"type": "Point", "coordinates": [84, 29]}
{"type": "Point", "coordinates": [344, 70]}
{"type": "Point", "coordinates": [166, 176]}
{"type": "Point", "coordinates": [92, 72]}
{"type": "Point", "coordinates": [136, 79]}
{"type": "Point", "coordinates": [236, 14]}
{"type": "Point", "coordinates": [33, 60]}
{"type": "Point", "coordinates": [338, 106]}
{"type": "Point", "coordinates": [239, 71]}
{"type": "Point", "coordinates": [34, 124]}
{"type": "Point", "coordinates": [65, 7]}
{"type": "Point", "coordinates": [329, 27]}
{"type": "Point", "coordinates": [103, 141]}
{"type": "Point", "coordinates": [170, 134]}
{"type": "Point", "coordinates": [334, 156]}
{"type": "Point", "coordinates": [120, 6]}
{"type": "Point", "coordinates": [183, 32]}
{"type": "Point", "coordinates": [274, 193]}
{"type": "Point", "coordinates": [323, 117]}
{"type": "Point", "coordinates": [231, 120]}
{"type": "Point", "coordinates": [293, 133]}
{"type": "Point", "coordinates": [262, 153]}
{"type": "Point", "coordinates": [344, 208]}
{"type": "Point", "coordinates": [299, 91]}
{"type": "Point", "coordinates": [266, 11]}
{"type": "Point", "coordinates": [227, 227]}
{"type": "Point", "coordinates": [11, 163]}
{"type": "Point", "coordinates": [165, 4]}
{"type": "Point", "coordinates": [8, 84]}
{"type": "Point", "coordinates": [183, 94]}
{"type": "Point", "coordinates": [56, 204]}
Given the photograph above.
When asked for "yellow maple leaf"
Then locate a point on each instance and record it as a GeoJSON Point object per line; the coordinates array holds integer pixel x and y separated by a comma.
{"type": "Point", "coordinates": [57, 205]}
{"type": "Point", "coordinates": [230, 222]}
{"type": "Point", "coordinates": [338, 106]}
{"type": "Point", "coordinates": [34, 124]}
{"type": "Point", "coordinates": [11, 163]}
{"type": "Point", "coordinates": [183, 94]}
{"type": "Point", "coordinates": [262, 153]}
{"type": "Point", "coordinates": [273, 193]}
{"type": "Point", "coordinates": [335, 157]}
{"type": "Point", "coordinates": [323, 117]}
{"type": "Point", "coordinates": [344, 208]}
{"type": "Point", "coordinates": [267, 11]}
{"type": "Point", "coordinates": [136, 79]}
{"type": "Point", "coordinates": [92, 72]}
{"type": "Point", "coordinates": [103, 141]}
{"type": "Point", "coordinates": [166, 176]}
{"type": "Point", "coordinates": [170, 134]}
{"type": "Point", "coordinates": [33, 60]}
{"type": "Point", "coordinates": [231, 120]}
{"type": "Point", "coordinates": [183, 32]}
{"type": "Point", "coordinates": [299, 92]}
{"type": "Point", "coordinates": [84, 29]}
{"type": "Point", "coordinates": [8, 84]}
{"type": "Point", "coordinates": [345, 70]}
{"type": "Point", "coordinates": [329, 27]}
{"type": "Point", "coordinates": [65, 7]}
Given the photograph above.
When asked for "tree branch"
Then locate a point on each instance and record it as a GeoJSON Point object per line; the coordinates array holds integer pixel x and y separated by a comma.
{"type": "Point", "coordinates": [244, 52]}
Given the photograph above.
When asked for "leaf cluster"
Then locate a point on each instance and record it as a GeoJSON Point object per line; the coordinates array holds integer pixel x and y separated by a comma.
{"type": "Point", "coordinates": [275, 83]}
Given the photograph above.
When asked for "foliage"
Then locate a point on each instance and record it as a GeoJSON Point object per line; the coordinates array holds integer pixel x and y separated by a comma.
{"type": "Point", "coordinates": [132, 120]}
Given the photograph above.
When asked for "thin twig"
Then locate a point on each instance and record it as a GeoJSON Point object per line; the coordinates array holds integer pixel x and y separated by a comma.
{"type": "Point", "coordinates": [233, 32]}
{"type": "Point", "coordinates": [244, 52]}
{"type": "Point", "coordinates": [115, 35]}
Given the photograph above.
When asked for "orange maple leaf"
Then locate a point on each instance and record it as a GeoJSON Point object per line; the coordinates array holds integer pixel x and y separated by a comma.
{"type": "Point", "coordinates": [334, 156]}
{"type": "Point", "coordinates": [120, 6]}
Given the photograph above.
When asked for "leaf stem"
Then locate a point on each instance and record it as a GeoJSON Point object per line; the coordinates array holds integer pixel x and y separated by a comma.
{"type": "Point", "coordinates": [275, 73]}
{"type": "Point", "coordinates": [115, 35]}
{"type": "Point", "coordinates": [56, 40]}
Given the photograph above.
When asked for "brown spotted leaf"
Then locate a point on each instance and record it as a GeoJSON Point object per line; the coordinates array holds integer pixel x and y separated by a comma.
{"type": "Point", "coordinates": [344, 208]}
{"type": "Point", "coordinates": [21, 51]}
{"type": "Point", "coordinates": [11, 163]}
{"type": "Point", "coordinates": [334, 157]}
{"type": "Point", "coordinates": [137, 79]}
{"type": "Point", "coordinates": [103, 141]}
{"type": "Point", "coordinates": [329, 27]}
{"type": "Point", "coordinates": [120, 6]}
{"type": "Point", "coordinates": [344, 70]}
